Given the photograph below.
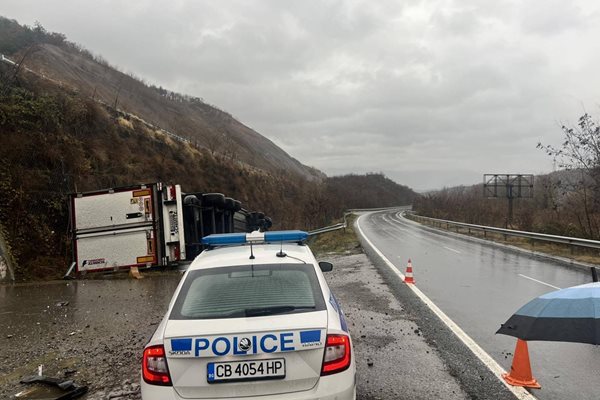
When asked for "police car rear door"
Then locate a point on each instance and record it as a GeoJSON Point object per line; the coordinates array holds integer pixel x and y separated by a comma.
{"type": "Point", "coordinates": [247, 356]}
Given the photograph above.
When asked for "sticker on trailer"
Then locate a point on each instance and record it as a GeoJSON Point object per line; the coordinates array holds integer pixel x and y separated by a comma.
{"type": "Point", "coordinates": [246, 344]}
{"type": "Point", "coordinates": [173, 222]}
{"type": "Point", "coordinates": [141, 193]}
{"type": "Point", "coordinates": [95, 263]}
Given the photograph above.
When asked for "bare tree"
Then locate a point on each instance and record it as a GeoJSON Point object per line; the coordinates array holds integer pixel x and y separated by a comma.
{"type": "Point", "coordinates": [580, 153]}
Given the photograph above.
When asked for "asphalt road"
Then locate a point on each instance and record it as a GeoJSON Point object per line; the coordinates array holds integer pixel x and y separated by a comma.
{"type": "Point", "coordinates": [93, 331]}
{"type": "Point", "coordinates": [479, 286]}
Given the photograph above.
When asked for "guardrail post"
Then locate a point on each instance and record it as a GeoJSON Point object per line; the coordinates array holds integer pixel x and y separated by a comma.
{"type": "Point", "coordinates": [572, 248]}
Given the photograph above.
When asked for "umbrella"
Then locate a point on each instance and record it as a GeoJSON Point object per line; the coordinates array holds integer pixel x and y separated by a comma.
{"type": "Point", "coordinates": [566, 315]}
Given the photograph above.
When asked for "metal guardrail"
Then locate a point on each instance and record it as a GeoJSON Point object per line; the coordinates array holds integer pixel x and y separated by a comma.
{"type": "Point", "coordinates": [328, 229]}
{"type": "Point", "coordinates": [344, 225]}
{"type": "Point", "coordinates": [352, 210]}
{"type": "Point", "coordinates": [510, 232]}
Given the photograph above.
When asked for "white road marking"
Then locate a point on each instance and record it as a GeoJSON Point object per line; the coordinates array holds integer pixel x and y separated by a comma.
{"type": "Point", "coordinates": [396, 225]}
{"type": "Point", "coordinates": [448, 248]}
{"type": "Point", "coordinates": [485, 358]}
{"type": "Point", "coordinates": [535, 280]}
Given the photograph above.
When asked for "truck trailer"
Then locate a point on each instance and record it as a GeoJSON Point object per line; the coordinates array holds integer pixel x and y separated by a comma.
{"type": "Point", "coordinates": [150, 225]}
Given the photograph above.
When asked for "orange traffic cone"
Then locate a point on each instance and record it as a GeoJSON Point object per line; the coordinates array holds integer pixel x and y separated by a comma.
{"type": "Point", "coordinates": [408, 277]}
{"type": "Point", "coordinates": [520, 371]}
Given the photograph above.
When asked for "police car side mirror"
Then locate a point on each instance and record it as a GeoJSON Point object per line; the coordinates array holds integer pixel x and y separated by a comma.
{"type": "Point", "coordinates": [325, 266]}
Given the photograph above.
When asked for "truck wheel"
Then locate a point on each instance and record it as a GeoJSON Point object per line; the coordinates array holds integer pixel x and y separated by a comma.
{"type": "Point", "coordinates": [213, 199]}
{"type": "Point", "coordinates": [229, 203]}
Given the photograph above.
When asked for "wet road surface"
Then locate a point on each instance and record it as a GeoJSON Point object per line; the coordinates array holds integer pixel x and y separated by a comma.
{"type": "Point", "coordinates": [93, 332]}
{"type": "Point", "coordinates": [90, 331]}
{"type": "Point", "coordinates": [479, 286]}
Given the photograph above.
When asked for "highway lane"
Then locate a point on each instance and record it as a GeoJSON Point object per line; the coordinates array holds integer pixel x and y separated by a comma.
{"type": "Point", "coordinates": [479, 286]}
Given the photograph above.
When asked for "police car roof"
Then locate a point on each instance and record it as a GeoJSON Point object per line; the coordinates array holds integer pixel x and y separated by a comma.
{"type": "Point", "coordinates": [263, 253]}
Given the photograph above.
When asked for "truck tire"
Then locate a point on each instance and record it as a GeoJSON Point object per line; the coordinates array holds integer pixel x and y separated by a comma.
{"type": "Point", "coordinates": [191, 199]}
{"type": "Point", "coordinates": [237, 205]}
{"type": "Point", "coordinates": [268, 223]}
{"type": "Point", "coordinates": [229, 204]}
{"type": "Point", "coordinates": [213, 199]}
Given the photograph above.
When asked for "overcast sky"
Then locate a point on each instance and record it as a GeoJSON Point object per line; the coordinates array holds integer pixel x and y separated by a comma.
{"type": "Point", "coordinates": [432, 93]}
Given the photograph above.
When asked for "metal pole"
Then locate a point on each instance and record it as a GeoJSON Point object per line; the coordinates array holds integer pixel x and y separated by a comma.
{"type": "Point", "coordinates": [509, 194]}
{"type": "Point", "coordinates": [66, 276]}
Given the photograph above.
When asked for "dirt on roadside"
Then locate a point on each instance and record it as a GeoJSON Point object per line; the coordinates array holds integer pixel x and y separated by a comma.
{"type": "Point", "coordinates": [393, 359]}
{"type": "Point", "coordinates": [89, 331]}
{"type": "Point", "coordinates": [93, 332]}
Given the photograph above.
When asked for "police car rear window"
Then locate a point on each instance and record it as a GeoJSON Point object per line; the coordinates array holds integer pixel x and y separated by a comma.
{"type": "Point", "coordinates": [249, 291]}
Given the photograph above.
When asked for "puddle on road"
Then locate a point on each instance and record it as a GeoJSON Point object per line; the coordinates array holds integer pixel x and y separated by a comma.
{"type": "Point", "coordinates": [31, 308]}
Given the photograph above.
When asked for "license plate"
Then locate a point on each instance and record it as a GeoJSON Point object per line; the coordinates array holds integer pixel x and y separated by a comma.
{"type": "Point", "coordinates": [246, 370]}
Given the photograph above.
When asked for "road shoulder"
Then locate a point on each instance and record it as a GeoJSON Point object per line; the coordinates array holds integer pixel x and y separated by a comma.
{"type": "Point", "coordinates": [393, 359]}
{"type": "Point", "coordinates": [472, 375]}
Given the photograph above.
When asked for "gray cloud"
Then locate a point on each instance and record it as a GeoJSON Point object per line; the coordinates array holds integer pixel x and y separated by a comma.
{"type": "Point", "coordinates": [431, 93]}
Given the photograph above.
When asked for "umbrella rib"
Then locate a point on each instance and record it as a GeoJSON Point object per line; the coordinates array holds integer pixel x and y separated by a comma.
{"type": "Point", "coordinates": [538, 317]}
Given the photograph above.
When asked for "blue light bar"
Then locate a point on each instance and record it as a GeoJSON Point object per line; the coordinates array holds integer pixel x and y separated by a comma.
{"type": "Point", "coordinates": [223, 239]}
{"type": "Point", "coordinates": [220, 239]}
{"type": "Point", "coordinates": [285, 236]}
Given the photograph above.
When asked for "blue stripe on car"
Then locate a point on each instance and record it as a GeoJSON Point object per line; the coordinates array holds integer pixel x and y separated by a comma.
{"type": "Point", "coordinates": [181, 344]}
{"type": "Point", "coordinates": [337, 307]}
{"type": "Point", "coordinates": [310, 336]}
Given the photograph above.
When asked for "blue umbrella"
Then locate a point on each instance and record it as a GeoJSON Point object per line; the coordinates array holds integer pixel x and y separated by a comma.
{"type": "Point", "coordinates": [566, 315]}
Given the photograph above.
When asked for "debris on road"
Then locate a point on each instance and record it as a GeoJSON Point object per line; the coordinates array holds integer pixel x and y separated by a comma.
{"type": "Point", "coordinates": [63, 389]}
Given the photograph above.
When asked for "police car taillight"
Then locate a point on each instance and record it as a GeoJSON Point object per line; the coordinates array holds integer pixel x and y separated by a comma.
{"type": "Point", "coordinates": [154, 366]}
{"type": "Point", "coordinates": [337, 354]}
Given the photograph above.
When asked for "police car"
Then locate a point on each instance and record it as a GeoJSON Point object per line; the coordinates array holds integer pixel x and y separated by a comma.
{"type": "Point", "coordinates": [252, 318]}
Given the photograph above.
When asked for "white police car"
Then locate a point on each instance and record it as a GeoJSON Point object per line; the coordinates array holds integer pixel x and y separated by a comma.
{"type": "Point", "coordinates": [254, 321]}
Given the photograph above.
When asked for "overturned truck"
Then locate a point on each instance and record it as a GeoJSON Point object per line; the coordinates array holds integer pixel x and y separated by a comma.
{"type": "Point", "coordinates": [150, 225]}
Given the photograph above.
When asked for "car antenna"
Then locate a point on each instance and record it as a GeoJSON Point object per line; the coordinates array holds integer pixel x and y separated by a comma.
{"type": "Point", "coordinates": [251, 252]}
{"type": "Point", "coordinates": [281, 253]}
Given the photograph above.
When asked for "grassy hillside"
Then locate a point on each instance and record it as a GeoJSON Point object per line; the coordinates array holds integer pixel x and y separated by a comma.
{"type": "Point", "coordinates": [52, 56]}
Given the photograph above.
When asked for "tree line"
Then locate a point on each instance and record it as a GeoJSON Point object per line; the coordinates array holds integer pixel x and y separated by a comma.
{"type": "Point", "coordinates": [565, 202]}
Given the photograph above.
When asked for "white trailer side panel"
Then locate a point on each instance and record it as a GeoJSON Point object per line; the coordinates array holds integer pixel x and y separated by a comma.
{"type": "Point", "coordinates": [117, 209]}
{"type": "Point", "coordinates": [115, 249]}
